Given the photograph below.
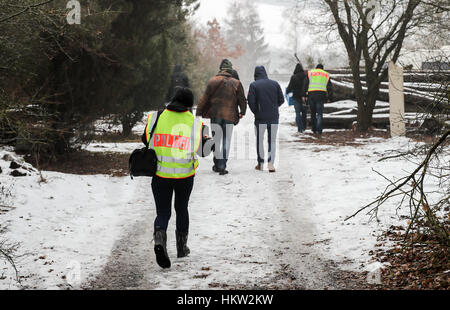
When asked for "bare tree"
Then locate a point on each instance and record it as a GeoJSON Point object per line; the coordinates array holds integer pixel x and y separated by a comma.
{"type": "Point", "coordinates": [309, 35]}
{"type": "Point", "coordinates": [373, 33]}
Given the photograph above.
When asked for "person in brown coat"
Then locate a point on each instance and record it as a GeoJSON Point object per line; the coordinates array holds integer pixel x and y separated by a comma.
{"type": "Point", "coordinates": [224, 103]}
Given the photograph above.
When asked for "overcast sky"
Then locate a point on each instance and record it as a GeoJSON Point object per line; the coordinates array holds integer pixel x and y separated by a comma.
{"type": "Point", "coordinates": [270, 12]}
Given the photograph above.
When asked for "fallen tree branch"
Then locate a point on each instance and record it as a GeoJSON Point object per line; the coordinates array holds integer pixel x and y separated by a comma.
{"type": "Point", "coordinates": [7, 251]}
{"type": "Point", "coordinates": [412, 177]}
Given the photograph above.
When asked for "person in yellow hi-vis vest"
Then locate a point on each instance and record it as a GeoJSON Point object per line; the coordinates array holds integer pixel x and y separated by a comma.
{"type": "Point", "coordinates": [177, 137]}
{"type": "Point", "coordinates": [318, 88]}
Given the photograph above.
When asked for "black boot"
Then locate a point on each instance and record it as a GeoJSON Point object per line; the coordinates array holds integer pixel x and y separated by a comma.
{"type": "Point", "coordinates": [160, 238]}
{"type": "Point", "coordinates": [182, 249]}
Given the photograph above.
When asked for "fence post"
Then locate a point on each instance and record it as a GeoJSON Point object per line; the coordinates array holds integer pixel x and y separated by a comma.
{"type": "Point", "coordinates": [396, 100]}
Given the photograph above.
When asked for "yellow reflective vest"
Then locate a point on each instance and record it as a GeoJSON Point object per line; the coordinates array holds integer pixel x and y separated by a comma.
{"type": "Point", "coordinates": [176, 139]}
{"type": "Point", "coordinates": [318, 80]}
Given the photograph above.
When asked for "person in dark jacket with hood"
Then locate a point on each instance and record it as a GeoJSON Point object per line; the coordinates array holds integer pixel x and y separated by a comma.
{"type": "Point", "coordinates": [178, 79]}
{"type": "Point", "coordinates": [297, 87]}
{"type": "Point", "coordinates": [264, 98]}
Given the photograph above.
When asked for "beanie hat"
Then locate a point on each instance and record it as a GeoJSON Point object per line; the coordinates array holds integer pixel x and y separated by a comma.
{"type": "Point", "coordinates": [184, 96]}
{"type": "Point", "coordinates": [319, 66]}
{"type": "Point", "coordinates": [226, 65]}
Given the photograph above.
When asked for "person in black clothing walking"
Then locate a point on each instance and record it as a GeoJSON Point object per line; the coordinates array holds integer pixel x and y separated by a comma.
{"type": "Point", "coordinates": [297, 87]}
{"type": "Point", "coordinates": [178, 79]}
{"type": "Point", "coordinates": [174, 175]}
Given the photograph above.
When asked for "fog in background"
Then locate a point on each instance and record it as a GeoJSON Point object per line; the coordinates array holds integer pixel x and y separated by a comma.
{"type": "Point", "coordinates": [283, 32]}
{"type": "Point", "coordinates": [286, 31]}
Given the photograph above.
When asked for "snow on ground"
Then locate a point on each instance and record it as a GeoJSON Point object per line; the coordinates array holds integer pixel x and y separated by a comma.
{"type": "Point", "coordinates": [126, 147]}
{"type": "Point", "coordinates": [340, 180]}
{"type": "Point", "coordinates": [239, 222]}
{"type": "Point", "coordinates": [106, 125]}
{"type": "Point", "coordinates": [68, 218]}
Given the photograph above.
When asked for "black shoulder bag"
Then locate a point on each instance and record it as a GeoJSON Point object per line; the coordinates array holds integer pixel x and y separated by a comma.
{"type": "Point", "coordinates": [143, 162]}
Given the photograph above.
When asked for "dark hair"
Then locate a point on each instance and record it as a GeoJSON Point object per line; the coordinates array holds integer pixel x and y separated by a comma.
{"type": "Point", "coordinates": [319, 66]}
{"type": "Point", "coordinates": [184, 96]}
{"type": "Point", "coordinates": [177, 68]}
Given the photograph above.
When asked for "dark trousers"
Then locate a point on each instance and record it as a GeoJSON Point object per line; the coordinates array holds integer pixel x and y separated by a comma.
{"type": "Point", "coordinates": [260, 130]}
{"type": "Point", "coordinates": [300, 115]}
{"type": "Point", "coordinates": [163, 190]}
{"type": "Point", "coordinates": [316, 104]}
{"type": "Point", "coordinates": [222, 131]}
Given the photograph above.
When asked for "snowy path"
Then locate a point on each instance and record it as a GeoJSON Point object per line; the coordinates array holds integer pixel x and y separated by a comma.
{"type": "Point", "coordinates": [249, 229]}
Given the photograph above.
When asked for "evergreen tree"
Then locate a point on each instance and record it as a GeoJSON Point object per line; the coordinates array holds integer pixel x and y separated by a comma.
{"type": "Point", "coordinates": [244, 28]}
{"type": "Point", "coordinates": [56, 79]}
{"type": "Point", "coordinates": [51, 71]}
{"type": "Point", "coordinates": [143, 39]}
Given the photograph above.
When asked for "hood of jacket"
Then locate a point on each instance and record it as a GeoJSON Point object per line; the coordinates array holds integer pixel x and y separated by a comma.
{"type": "Point", "coordinates": [260, 73]}
{"type": "Point", "coordinates": [298, 69]}
{"type": "Point", "coordinates": [177, 68]}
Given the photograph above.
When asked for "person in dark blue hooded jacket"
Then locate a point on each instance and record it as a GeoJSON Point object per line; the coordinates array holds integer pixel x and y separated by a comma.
{"type": "Point", "coordinates": [264, 98]}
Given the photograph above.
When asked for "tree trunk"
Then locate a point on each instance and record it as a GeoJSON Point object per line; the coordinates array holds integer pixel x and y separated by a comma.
{"type": "Point", "coordinates": [126, 127]}
{"type": "Point", "coordinates": [366, 103]}
{"type": "Point", "coordinates": [364, 119]}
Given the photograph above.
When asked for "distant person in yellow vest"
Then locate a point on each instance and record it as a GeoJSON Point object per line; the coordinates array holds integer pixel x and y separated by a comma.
{"type": "Point", "coordinates": [178, 136]}
{"type": "Point", "coordinates": [319, 89]}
